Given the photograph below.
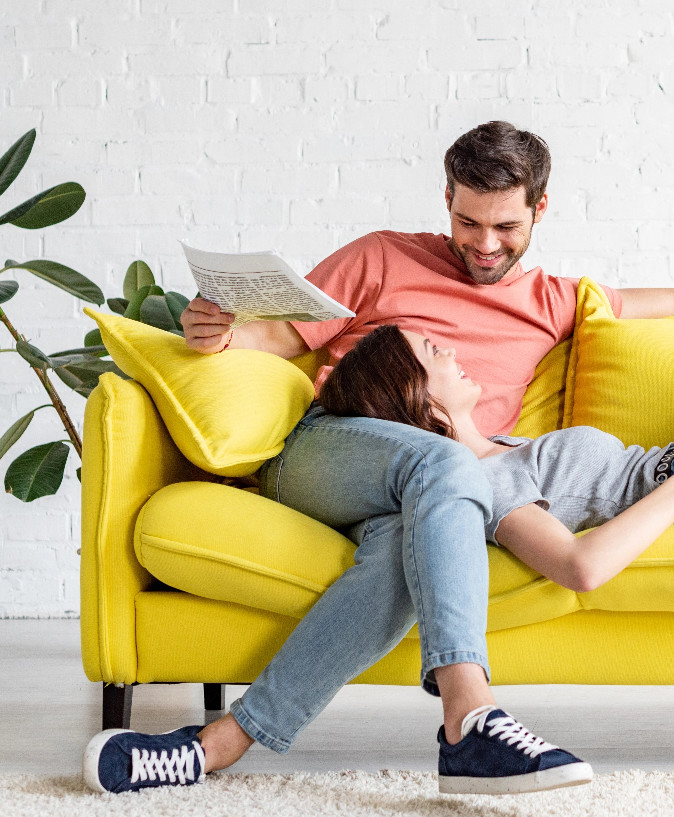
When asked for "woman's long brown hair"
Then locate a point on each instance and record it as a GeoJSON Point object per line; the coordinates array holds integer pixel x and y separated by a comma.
{"type": "Point", "coordinates": [382, 377]}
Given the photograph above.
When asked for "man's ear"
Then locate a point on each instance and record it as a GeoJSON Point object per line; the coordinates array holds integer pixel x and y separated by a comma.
{"type": "Point", "coordinates": [448, 198]}
{"type": "Point", "coordinates": [541, 207]}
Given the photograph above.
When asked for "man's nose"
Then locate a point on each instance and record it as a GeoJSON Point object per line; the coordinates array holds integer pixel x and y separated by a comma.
{"type": "Point", "coordinates": [487, 242]}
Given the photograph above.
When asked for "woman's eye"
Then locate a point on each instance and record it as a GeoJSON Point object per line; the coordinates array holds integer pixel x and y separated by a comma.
{"type": "Point", "coordinates": [435, 350]}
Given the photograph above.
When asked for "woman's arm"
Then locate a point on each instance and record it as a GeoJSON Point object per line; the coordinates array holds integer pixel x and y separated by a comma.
{"type": "Point", "coordinates": [584, 563]}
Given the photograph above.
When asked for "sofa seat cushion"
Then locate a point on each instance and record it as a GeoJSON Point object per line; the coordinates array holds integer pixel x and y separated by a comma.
{"type": "Point", "coordinates": [226, 544]}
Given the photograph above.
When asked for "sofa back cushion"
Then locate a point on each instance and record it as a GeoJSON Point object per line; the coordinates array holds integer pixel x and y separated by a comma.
{"type": "Point", "coordinates": [621, 372]}
{"type": "Point", "coordinates": [227, 413]}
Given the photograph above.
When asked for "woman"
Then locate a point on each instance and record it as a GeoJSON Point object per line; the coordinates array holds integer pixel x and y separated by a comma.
{"type": "Point", "coordinates": [545, 490]}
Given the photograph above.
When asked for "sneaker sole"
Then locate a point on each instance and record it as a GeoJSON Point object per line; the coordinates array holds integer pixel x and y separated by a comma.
{"type": "Point", "coordinates": [91, 756]}
{"type": "Point", "coordinates": [574, 774]}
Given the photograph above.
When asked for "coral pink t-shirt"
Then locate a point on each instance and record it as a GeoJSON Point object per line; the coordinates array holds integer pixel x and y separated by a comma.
{"type": "Point", "coordinates": [500, 331]}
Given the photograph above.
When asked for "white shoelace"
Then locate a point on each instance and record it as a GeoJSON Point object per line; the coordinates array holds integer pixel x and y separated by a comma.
{"type": "Point", "coordinates": [180, 766]}
{"type": "Point", "coordinates": [508, 729]}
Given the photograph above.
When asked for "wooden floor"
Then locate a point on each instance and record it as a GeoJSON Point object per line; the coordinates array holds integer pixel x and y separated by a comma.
{"type": "Point", "coordinates": [48, 712]}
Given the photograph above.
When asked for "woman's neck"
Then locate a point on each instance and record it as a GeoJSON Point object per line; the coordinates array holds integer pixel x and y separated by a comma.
{"type": "Point", "coordinates": [480, 445]}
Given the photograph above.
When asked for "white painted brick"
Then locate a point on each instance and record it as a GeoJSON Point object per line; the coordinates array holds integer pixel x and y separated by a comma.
{"type": "Point", "coordinates": [327, 89]}
{"type": "Point", "coordinates": [270, 211]}
{"type": "Point", "coordinates": [80, 93]}
{"type": "Point", "coordinates": [477, 56]}
{"type": "Point", "coordinates": [429, 86]}
{"type": "Point", "coordinates": [231, 91]}
{"type": "Point", "coordinates": [52, 33]}
{"type": "Point", "coordinates": [302, 243]}
{"type": "Point", "coordinates": [101, 32]}
{"type": "Point", "coordinates": [499, 27]}
{"type": "Point", "coordinates": [326, 28]}
{"type": "Point", "coordinates": [246, 150]}
{"type": "Point", "coordinates": [632, 83]}
{"type": "Point", "coordinates": [479, 85]}
{"type": "Point", "coordinates": [579, 85]}
{"type": "Point", "coordinates": [313, 181]}
{"type": "Point", "coordinates": [31, 93]}
{"type": "Point", "coordinates": [342, 210]}
{"type": "Point", "coordinates": [30, 527]}
{"type": "Point", "coordinates": [378, 87]}
{"type": "Point", "coordinates": [379, 57]}
{"type": "Point", "coordinates": [653, 268]}
{"type": "Point", "coordinates": [170, 61]}
{"type": "Point", "coordinates": [622, 24]}
{"type": "Point", "coordinates": [254, 60]}
{"type": "Point", "coordinates": [656, 236]}
{"type": "Point", "coordinates": [375, 117]}
{"type": "Point", "coordinates": [220, 28]}
{"type": "Point", "coordinates": [529, 84]}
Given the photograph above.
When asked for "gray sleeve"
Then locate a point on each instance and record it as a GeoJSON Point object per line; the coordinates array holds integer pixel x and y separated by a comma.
{"type": "Point", "coordinates": [513, 488]}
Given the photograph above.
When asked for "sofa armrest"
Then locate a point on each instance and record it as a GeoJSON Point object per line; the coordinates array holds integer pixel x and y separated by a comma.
{"type": "Point", "coordinates": [128, 455]}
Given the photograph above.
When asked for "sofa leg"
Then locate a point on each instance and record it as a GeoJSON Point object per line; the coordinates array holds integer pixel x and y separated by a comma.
{"type": "Point", "coordinates": [214, 696]}
{"type": "Point", "coordinates": [117, 706]}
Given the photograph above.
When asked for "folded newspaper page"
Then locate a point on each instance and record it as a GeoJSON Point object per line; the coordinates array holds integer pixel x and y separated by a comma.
{"type": "Point", "coordinates": [259, 286]}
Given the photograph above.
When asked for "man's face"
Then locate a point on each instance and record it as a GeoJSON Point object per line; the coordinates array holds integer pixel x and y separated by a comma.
{"type": "Point", "coordinates": [491, 231]}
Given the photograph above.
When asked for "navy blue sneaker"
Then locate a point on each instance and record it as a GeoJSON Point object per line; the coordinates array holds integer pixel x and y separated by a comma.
{"type": "Point", "coordinates": [497, 755]}
{"type": "Point", "coordinates": [119, 760]}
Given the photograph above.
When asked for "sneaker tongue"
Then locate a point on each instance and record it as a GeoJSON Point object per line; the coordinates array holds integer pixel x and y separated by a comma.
{"type": "Point", "coordinates": [473, 717]}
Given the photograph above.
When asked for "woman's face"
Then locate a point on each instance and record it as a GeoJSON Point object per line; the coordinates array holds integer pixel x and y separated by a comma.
{"type": "Point", "coordinates": [447, 381]}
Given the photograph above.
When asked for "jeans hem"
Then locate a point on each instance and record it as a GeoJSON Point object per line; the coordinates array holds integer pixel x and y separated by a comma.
{"type": "Point", "coordinates": [447, 659]}
{"type": "Point", "coordinates": [251, 728]}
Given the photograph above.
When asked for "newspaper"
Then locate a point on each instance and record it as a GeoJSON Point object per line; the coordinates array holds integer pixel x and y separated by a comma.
{"type": "Point", "coordinates": [259, 286]}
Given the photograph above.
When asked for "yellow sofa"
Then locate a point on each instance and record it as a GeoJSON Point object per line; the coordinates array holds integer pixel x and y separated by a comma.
{"type": "Point", "coordinates": [187, 579]}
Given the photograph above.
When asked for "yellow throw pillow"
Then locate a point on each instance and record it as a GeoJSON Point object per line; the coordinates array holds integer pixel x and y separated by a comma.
{"type": "Point", "coordinates": [621, 372]}
{"type": "Point", "coordinates": [227, 413]}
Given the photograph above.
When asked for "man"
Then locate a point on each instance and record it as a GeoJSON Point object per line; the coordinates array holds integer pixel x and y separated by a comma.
{"type": "Point", "coordinates": [414, 502]}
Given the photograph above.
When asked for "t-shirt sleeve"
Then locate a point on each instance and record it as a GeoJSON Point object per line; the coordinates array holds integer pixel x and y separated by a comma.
{"type": "Point", "coordinates": [566, 296]}
{"type": "Point", "coordinates": [352, 276]}
{"type": "Point", "coordinates": [513, 488]}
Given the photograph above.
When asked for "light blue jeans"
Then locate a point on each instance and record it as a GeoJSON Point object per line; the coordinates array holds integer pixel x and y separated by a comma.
{"type": "Point", "coordinates": [415, 504]}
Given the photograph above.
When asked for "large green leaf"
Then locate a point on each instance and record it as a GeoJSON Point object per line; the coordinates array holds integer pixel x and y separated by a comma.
{"type": "Point", "coordinates": [93, 338]}
{"type": "Point", "coordinates": [14, 432]}
{"type": "Point", "coordinates": [47, 208]}
{"type": "Point", "coordinates": [118, 305]}
{"type": "Point", "coordinates": [88, 351]}
{"type": "Point", "coordinates": [138, 275]}
{"type": "Point", "coordinates": [37, 472]}
{"type": "Point", "coordinates": [177, 303]}
{"type": "Point", "coordinates": [7, 290]}
{"type": "Point", "coordinates": [36, 357]}
{"type": "Point", "coordinates": [62, 277]}
{"type": "Point", "coordinates": [83, 377]}
{"type": "Point", "coordinates": [155, 311]}
{"type": "Point", "coordinates": [11, 164]}
{"type": "Point", "coordinates": [133, 309]}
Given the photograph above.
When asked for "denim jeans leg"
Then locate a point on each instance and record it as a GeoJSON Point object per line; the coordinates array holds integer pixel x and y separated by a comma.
{"type": "Point", "coordinates": [421, 501]}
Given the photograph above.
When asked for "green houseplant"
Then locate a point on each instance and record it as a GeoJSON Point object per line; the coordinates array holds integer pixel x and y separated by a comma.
{"type": "Point", "coordinates": [39, 470]}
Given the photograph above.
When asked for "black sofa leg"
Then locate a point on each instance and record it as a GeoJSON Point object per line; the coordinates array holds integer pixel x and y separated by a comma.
{"type": "Point", "coordinates": [214, 696]}
{"type": "Point", "coordinates": [117, 706]}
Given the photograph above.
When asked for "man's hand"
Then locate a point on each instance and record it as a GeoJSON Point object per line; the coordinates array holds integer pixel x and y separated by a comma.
{"type": "Point", "coordinates": [206, 327]}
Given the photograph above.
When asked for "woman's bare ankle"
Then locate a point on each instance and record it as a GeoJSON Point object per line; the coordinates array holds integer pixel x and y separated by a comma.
{"type": "Point", "coordinates": [224, 742]}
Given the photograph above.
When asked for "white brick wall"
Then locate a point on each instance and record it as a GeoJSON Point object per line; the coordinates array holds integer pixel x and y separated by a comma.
{"type": "Point", "coordinates": [301, 124]}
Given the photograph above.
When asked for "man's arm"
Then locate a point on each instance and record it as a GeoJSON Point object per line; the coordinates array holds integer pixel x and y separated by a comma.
{"type": "Point", "coordinates": [207, 329]}
{"type": "Point", "coordinates": [647, 303]}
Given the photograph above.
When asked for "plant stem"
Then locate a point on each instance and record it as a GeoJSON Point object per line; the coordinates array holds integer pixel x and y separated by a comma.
{"type": "Point", "coordinates": [61, 410]}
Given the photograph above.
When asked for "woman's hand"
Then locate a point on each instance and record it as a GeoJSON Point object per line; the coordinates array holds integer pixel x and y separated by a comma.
{"type": "Point", "coordinates": [206, 327]}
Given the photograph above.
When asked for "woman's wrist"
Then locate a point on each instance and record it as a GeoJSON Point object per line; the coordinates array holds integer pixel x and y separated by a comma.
{"type": "Point", "coordinates": [227, 343]}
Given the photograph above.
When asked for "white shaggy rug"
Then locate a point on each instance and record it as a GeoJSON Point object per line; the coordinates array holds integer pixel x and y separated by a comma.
{"type": "Point", "coordinates": [343, 794]}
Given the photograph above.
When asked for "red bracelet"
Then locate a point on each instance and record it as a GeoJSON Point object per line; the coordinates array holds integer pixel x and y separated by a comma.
{"type": "Point", "coordinates": [229, 340]}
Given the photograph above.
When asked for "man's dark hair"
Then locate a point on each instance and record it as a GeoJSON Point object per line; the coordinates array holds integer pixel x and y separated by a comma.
{"type": "Point", "coordinates": [496, 156]}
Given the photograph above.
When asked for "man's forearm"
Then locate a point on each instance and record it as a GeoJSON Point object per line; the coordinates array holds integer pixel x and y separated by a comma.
{"type": "Point", "coordinates": [646, 302]}
{"type": "Point", "coordinates": [278, 337]}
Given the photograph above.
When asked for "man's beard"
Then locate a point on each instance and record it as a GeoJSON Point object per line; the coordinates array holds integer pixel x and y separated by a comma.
{"type": "Point", "coordinates": [489, 275]}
